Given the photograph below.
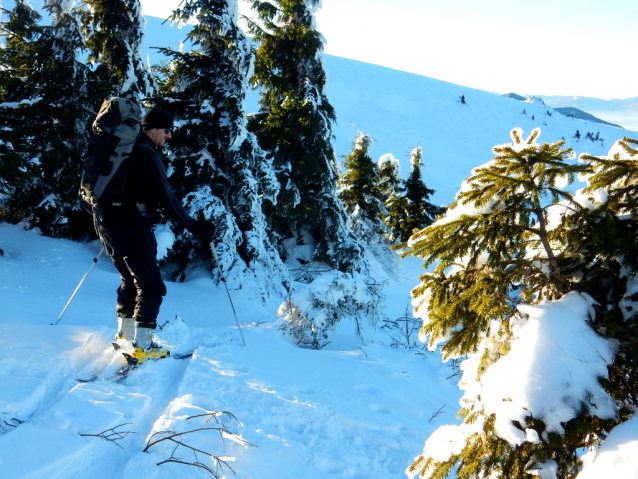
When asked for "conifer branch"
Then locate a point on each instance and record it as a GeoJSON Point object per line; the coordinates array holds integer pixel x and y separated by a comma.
{"type": "Point", "coordinates": [561, 283]}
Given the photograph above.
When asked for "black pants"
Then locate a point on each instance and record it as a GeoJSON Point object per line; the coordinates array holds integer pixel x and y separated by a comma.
{"type": "Point", "coordinates": [132, 246]}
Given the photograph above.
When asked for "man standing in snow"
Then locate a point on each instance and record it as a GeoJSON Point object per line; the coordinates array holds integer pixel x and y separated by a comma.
{"type": "Point", "coordinates": [130, 241]}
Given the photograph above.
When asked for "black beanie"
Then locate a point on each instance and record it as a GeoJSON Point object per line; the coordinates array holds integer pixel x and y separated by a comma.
{"type": "Point", "coordinates": [156, 118]}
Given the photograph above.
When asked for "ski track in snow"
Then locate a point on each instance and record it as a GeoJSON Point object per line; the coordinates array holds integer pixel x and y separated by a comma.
{"type": "Point", "coordinates": [363, 410]}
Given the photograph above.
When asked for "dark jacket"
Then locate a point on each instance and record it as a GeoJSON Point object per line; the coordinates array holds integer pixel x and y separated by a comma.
{"type": "Point", "coordinates": [146, 185]}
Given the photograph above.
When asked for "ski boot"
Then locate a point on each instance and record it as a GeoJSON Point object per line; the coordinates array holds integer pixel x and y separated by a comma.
{"type": "Point", "coordinates": [145, 348]}
{"type": "Point", "coordinates": [125, 330]}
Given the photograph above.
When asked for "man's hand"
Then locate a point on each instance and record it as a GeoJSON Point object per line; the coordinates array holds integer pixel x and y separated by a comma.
{"type": "Point", "coordinates": [205, 229]}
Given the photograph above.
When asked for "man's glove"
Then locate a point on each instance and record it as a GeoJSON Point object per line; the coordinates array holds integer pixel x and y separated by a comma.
{"type": "Point", "coordinates": [204, 228]}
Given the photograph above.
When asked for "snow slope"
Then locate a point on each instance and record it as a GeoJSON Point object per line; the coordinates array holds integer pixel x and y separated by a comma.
{"type": "Point", "coordinates": [364, 411]}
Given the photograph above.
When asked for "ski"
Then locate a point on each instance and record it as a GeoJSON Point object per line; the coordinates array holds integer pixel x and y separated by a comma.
{"type": "Point", "coordinates": [132, 363]}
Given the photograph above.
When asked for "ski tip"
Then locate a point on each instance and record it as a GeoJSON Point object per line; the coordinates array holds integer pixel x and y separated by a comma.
{"type": "Point", "coordinates": [89, 380]}
{"type": "Point", "coordinates": [186, 355]}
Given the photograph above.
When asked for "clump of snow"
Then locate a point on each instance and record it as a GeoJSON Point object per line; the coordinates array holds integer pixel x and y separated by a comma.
{"type": "Point", "coordinates": [518, 144]}
{"type": "Point", "coordinates": [553, 367]}
{"type": "Point", "coordinates": [618, 455]}
{"type": "Point", "coordinates": [165, 240]}
{"type": "Point", "coordinates": [363, 142]}
{"type": "Point", "coordinates": [394, 163]}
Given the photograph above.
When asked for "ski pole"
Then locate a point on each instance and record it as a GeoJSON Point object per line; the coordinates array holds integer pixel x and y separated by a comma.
{"type": "Point", "coordinates": [221, 271]}
{"type": "Point", "coordinates": [77, 289]}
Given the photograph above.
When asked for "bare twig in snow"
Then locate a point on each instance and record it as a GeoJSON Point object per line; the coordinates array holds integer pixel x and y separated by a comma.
{"type": "Point", "coordinates": [434, 415]}
{"type": "Point", "coordinates": [178, 439]}
{"type": "Point", "coordinates": [112, 435]}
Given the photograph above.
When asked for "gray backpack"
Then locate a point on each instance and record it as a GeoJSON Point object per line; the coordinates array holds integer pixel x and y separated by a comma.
{"type": "Point", "coordinates": [115, 129]}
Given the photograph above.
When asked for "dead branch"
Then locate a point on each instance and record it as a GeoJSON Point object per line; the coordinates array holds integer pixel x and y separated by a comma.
{"type": "Point", "coordinates": [179, 434]}
{"type": "Point", "coordinates": [178, 439]}
{"type": "Point", "coordinates": [112, 435]}
{"type": "Point", "coordinates": [215, 415]}
{"type": "Point", "coordinates": [197, 464]}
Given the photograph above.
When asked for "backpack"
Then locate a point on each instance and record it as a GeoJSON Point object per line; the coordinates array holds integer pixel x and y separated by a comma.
{"type": "Point", "coordinates": [115, 130]}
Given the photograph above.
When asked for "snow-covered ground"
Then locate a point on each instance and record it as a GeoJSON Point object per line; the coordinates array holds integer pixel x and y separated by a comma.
{"type": "Point", "coordinates": [364, 411]}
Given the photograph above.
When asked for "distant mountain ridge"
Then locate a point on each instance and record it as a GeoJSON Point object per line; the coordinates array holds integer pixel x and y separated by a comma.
{"type": "Point", "coordinates": [569, 111]}
{"type": "Point", "coordinates": [622, 112]}
{"type": "Point", "coordinates": [582, 115]}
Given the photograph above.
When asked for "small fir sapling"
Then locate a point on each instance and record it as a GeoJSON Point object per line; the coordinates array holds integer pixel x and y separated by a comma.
{"type": "Point", "coordinates": [360, 191]}
{"type": "Point", "coordinates": [522, 262]}
{"type": "Point", "coordinates": [417, 212]}
{"type": "Point", "coordinates": [311, 314]}
{"type": "Point", "coordinates": [613, 191]}
{"type": "Point", "coordinates": [393, 191]}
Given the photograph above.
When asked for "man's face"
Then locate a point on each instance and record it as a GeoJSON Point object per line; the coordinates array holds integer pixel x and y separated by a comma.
{"type": "Point", "coordinates": [159, 135]}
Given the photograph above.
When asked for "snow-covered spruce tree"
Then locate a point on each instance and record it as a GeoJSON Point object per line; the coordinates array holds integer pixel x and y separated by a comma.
{"type": "Point", "coordinates": [114, 32]}
{"type": "Point", "coordinates": [294, 127]}
{"type": "Point", "coordinates": [360, 192]}
{"type": "Point", "coordinates": [12, 164]}
{"type": "Point", "coordinates": [412, 211]}
{"type": "Point", "coordinates": [48, 111]}
{"type": "Point", "coordinates": [215, 163]}
{"type": "Point", "coordinates": [529, 284]}
{"type": "Point", "coordinates": [19, 33]}
{"type": "Point", "coordinates": [394, 199]}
